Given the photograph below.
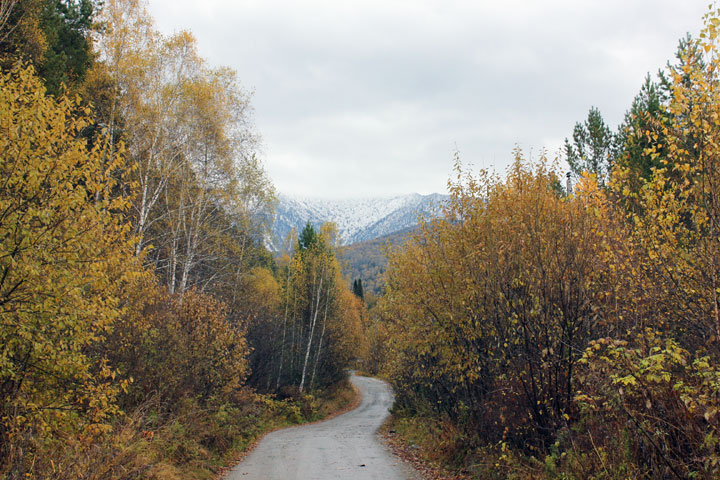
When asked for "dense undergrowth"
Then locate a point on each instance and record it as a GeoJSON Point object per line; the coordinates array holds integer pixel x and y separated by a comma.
{"type": "Point", "coordinates": [534, 332]}
{"type": "Point", "coordinates": [194, 442]}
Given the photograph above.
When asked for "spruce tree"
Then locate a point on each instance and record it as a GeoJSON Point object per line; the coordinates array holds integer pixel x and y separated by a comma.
{"type": "Point", "coordinates": [593, 148]}
{"type": "Point", "coordinates": [357, 288]}
{"type": "Point", "coordinates": [308, 237]}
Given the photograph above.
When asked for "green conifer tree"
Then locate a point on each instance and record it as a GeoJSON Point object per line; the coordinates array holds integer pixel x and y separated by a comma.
{"type": "Point", "coordinates": [357, 289]}
{"type": "Point", "coordinates": [593, 148]}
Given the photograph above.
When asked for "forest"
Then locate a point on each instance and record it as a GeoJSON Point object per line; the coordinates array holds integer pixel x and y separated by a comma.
{"type": "Point", "coordinates": [145, 330]}
{"type": "Point", "coordinates": [541, 331]}
{"type": "Point", "coordinates": [537, 329]}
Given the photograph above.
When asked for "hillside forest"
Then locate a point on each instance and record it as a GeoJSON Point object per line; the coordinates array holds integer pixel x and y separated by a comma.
{"type": "Point", "coordinates": [145, 331]}
{"type": "Point", "coordinates": [535, 329]}
{"type": "Point", "coordinates": [366, 262]}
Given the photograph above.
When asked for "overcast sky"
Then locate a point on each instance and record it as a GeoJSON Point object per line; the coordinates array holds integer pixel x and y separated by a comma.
{"type": "Point", "coordinates": [371, 98]}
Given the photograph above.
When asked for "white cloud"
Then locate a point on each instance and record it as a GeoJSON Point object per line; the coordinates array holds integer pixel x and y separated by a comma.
{"type": "Point", "coordinates": [364, 97]}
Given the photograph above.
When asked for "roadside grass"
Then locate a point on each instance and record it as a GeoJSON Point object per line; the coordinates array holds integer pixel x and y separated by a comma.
{"type": "Point", "coordinates": [440, 451]}
{"type": "Point", "coordinates": [193, 442]}
{"type": "Point", "coordinates": [432, 446]}
{"type": "Point", "coordinates": [337, 400]}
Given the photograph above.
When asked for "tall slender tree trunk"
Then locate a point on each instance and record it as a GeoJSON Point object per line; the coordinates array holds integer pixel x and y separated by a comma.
{"type": "Point", "coordinates": [282, 342]}
{"type": "Point", "coordinates": [322, 336]}
{"type": "Point", "coordinates": [293, 341]}
{"type": "Point", "coordinates": [189, 254]}
{"type": "Point", "coordinates": [312, 331]}
{"type": "Point", "coordinates": [142, 218]}
{"type": "Point", "coordinates": [239, 270]}
{"type": "Point", "coordinates": [173, 265]}
{"type": "Point", "coordinates": [192, 234]}
{"type": "Point", "coordinates": [172, 280]}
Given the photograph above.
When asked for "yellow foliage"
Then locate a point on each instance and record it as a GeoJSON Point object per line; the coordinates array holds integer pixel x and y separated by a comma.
{"type": "Point", "coordinates": [492, 304]}
{"type": "Point", "coordinates": [676, 231]}
{"type": "Point", "coordinates": [64, 256]}
{"type": "Point", "coordinates": [261, 293]}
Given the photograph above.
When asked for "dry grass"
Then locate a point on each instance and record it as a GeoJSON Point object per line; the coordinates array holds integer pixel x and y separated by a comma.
{"type": "Point", "coordinates": [427, 450]}
{"type": "Point", "coordinates": [192, 443]}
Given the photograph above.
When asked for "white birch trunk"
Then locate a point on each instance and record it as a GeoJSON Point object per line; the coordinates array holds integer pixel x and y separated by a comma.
{"type": "Point", "coordinates": [322, 336]}
{"type": "Point", "coordinates": [312, 331]}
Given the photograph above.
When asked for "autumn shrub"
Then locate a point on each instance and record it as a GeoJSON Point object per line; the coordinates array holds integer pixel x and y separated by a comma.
{"type": "Point", "coordinates": [64, 253]}
{"type": "Point", "coordinates": [193, 440]}
{"type": "Point", "coordinates": [649, 410]}
{"type": "Point", "coordinates": [375, 354]}
{"type": "Point", "coordinates": [116, 454]}
{"type": "Point", "coordinates": [648, 396]}
{"type": "Point", "coordinates": [490, 307]}
{"type": "Point", "coordinates": [182, 346]}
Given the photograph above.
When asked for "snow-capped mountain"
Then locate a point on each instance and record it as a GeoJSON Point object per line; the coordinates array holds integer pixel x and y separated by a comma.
{"type": "Point", "coordinates": [357, 219]}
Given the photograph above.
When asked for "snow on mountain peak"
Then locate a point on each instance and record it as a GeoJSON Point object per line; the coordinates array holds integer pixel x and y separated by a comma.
{"type": "Point", "coordinates": [357, 219]}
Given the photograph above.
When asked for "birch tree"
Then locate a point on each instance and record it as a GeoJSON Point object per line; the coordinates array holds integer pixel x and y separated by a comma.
{"type": "Point", "coordinates": [203, 197]}
{"type": "Point", "coordinates": [315, 333]}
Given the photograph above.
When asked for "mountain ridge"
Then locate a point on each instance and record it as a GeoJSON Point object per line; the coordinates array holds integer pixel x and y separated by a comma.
{"type": "Point", "coordinates": [358, 219]}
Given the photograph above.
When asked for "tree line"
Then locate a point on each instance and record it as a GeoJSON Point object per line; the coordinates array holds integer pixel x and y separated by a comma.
{"type": "Point", "coordinates": [545, 333]}
{"type": "Point", "coordinates": [145, 330]}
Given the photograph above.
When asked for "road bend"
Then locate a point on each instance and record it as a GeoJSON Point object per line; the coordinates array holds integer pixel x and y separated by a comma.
{"type": "Point", "coordinates": [345, 447]}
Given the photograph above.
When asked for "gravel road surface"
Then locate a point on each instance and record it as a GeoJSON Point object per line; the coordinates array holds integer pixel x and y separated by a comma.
{"type": "Point", "coordinates": [345, 447]}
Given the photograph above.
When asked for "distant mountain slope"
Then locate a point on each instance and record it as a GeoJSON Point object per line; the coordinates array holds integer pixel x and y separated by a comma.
{"type": "Point", "coordinates": [357, 220]}
{"type": "Point", "coordinates": [366, 260]}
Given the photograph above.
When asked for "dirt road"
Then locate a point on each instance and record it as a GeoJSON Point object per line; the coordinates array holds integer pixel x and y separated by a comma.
{"type": "Point", "coordinates": [345, 447]}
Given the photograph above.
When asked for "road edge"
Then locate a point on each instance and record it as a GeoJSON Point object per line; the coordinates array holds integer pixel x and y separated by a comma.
{"type": "Point", "coordinates": [352, 405]}
{"type": "Point", "coordinates": [411, 456]}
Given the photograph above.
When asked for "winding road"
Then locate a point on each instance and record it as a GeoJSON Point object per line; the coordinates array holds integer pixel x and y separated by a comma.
{"type": "Point", "coordinates": [345, 447]}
